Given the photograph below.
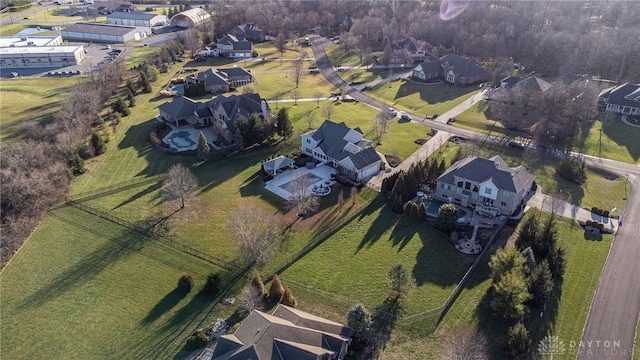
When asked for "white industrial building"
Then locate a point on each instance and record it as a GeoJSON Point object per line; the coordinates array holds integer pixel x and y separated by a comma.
{"type": "Point", "coordinates": [41, 56]}
{"type": "Point", "coordinates": [190, 18]}
{"type": "Point", "coordinates": [136, 19]}
{"type": "Point", "coordinates": [15, 41]}
{"type": "Point", "coordinates": [104, 33]}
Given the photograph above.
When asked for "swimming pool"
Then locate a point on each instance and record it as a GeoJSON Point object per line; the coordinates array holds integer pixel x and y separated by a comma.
{"type": "Point", "coordinates": [307, 180]}
{"type": "Point", "coordinates": [181, 140]}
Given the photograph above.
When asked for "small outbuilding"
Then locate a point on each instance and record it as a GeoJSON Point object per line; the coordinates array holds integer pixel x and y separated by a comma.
{"type": "Point", "coordinates": [274, 166]}
{"type": "Point", "coordinates": [190, 18]}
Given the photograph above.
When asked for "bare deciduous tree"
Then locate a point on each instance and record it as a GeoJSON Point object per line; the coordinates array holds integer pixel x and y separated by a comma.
{"type": "Point", "coordinates": [191, 40]}
{"type": "Point", "coordinates": [301, 200]}
{"type": "Point", "coordinates": [385, 59]}
{"type": "Point", "coordinates": [327, 110]}
{"type": "Point", "coordinates": [310, 116]}
{"type": "Point", "coordinates": [295, 94]}
{"type": "Point", "coordinates": [297, 71]}
{"type": "Point", "coordinates": [258, 233]}
{"type": "Point", "coordinates": [179, 184]}
{"type": "Point", "coordinates": [250, 299]}
{"type": "Point", "coordinates": [465, 343]}
{"type": "Point", "coordinates": [380, 124]}
{"type": "Point", "coordinates": [281, 43]}
{"type": "Point", "coordinates": [318, 96]}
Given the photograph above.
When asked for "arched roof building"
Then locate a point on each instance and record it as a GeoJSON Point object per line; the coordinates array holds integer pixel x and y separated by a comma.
{"type": "Point", "coordinates": [190, 18]}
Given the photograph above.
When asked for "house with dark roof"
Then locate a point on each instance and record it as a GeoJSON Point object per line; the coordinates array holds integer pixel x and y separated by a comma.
{"type": "Point", "coordinates": [529, 85]}
{"type": "Point", "coordinates": [409, 50]}
{"type": "Point", "coordinates": [489, 185]}
{"type": "Point", "coordinates": [221, 80]}
{"type": "Point", "coordinates": [287, 334]}
{"type": "Point", "coordinates": [342, 148]}
{"type": "Point", "coordinates": [453, 69]}
{"type": "Point", "coordinates": [622, 99]}
{"type": "Point", "coordinates": [249, 31]}
{"type": "Point", "coordinates": [225, 111]}
{"type": "Point", "coordinates": [231, 46]}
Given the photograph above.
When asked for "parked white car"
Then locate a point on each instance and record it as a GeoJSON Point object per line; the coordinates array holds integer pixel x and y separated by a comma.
{"type": "Point", "coordinates": [393, 111]}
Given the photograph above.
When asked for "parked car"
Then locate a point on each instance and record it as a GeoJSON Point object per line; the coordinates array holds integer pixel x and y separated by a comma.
{"type": "Point", "coordinates": [393, 111]}
{"type": "Point", "coordinates": [516, 144]}
{"type": "Point", "coordinates": [406, 117]}
{"type": "Point", "coordinates": [457, 139]}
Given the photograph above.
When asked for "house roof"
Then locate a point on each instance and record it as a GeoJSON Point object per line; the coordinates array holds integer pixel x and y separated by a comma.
{"type": "Point", "coordinates": [623, 95]}
{"type": "Point", "coordinates": [510, 80]}
{"type": "Point", "coordinates": [277, 163]}
{"type": "Point", "coordinates": [234, 72]}
{"type": "Point", "coordinates": [264, 337]}
{"type": "Point", "coordinates": [103, 29]}
{"type": "Point", "coordinates": [212, 77]}
{"type": "Point", "coordinates": [331, 139]}
{"type": "Point", "coordinates": [235, 42]}
{"type": "Point", "coordinates": [179, 107]}
{"type": "Point", "coordinates": [364, 158]}
{"type": "Point", "coordinates": [131, 15]}
{"type": "Point", "coordinates": [479, 170]}
{"type": "Point", "coordinates": [408, 43]}
{"type": "Point", "coordinates": [533, 83]}
{"type": "Point", "coordinates": [249, 30]}
{"type": "Point", "coordinates": [461, 66]}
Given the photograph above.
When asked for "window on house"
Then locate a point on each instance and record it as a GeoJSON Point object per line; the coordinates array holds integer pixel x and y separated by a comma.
{"type": "Point", "coordinates": [467, 185]}
{"type": "Point", "coordinates": [487, 191]}
{"type": "Point", "coordinates": [504, 203]}
{"type": "Point", "coordinates": [460, 184]}
{"type": "Point", "coordinates": [308, 141]}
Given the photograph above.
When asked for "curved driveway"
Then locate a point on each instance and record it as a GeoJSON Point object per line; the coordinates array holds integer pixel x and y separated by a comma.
{"type": "Point", "coordinates": [615, 308]}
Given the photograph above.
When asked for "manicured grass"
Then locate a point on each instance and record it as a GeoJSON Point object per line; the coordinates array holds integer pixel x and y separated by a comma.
{"type": "Point", "coordinates": [30, 100]}
{"type": "Point", "coordinates": [356, 260]}
{"type": "Point", "coordinates": [421, 99]}
{"type": "Point", "coordinates": [10, 29]}
{"type": "Point", "coordinates": [282, 84]}
{"type": "Point", "coordinates": [597, 191]}
{"type": "Point", "coordinates": [619, 140]}
{"type": "Point", "coordinates": [363, 75]}
{"type": "Point", "coordinates": [80, 280]}
{"type": "Point", "coordinates": [478, 118]}
{"type": "Point", "coordinates": [139, 53]}
{"type": "Point", "coordinates": [338, 56]}
{"type": "Point", "coordinates": [269, 50]}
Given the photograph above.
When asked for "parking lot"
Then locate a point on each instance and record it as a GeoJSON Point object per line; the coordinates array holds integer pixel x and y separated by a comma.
{"type": "Point", "coordinates": [96, 53]}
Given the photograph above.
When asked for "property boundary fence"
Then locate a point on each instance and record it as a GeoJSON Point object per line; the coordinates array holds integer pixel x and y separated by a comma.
{"type": "Point", "coordinates": [112, 189]}
{"type": "Point", "coordinates": [231, 266]}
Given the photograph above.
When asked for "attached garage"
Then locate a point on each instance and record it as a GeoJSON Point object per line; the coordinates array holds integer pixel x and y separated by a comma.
{"type": "Point", "coordinates": [190, 18]}
{"type": "Point", "coordinates": [104, 33]}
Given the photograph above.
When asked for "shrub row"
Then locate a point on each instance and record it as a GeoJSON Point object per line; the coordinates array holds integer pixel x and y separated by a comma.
{"type": "Point", "coordinates": [600, 212]}
{"type": "Point", "coordinates": [594, 224]}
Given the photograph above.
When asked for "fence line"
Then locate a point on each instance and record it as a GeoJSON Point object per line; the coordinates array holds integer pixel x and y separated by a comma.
{"type": "Point", "coordinates": [112, 189]}
{"type": "Point", "coordinates": [233, 267]}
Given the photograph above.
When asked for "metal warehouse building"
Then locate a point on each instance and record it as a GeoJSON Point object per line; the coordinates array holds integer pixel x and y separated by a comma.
{"type": "Point", "coordinates": [136, 19]}
{"type": "Point", "coordinates": [41, 56]}
{"type": "Point", "coordinates": [190, 18]}
{"type": "Point", "coordinates": [104, 33]}
{"type": "Point", "coordinates": [14, 41]}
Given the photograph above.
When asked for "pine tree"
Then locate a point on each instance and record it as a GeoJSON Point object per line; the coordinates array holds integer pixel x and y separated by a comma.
{"type": "Point", "coordinates": [540, 283]}
{"type": "Point", "coordinates": [359, 319]}
{"type": "Point", "coordinates": [528, 232]}
{"type": "Point", "coordinates": [276, 290]}
{"type": "Point", "coordinates": [99, 146]}
{"type": "Point", "coordinates": [285, 129]}
{"type": "Point", "coordinates": [77, 165]}
{"type": "Point", "coordinates": [131, 87]}
{"type": "Point", "coordinates": [203, 147]}
{"type": "Point", "coordinates": [517, 343]}
{"type": "Point", "coordinates": [288, 299]}
{"type": "Point", "coordinates": [397, 205]}
{"type": "Point", "coordinates": [119, 106]}
{"type": "Point", "coordinates": [422, 211]}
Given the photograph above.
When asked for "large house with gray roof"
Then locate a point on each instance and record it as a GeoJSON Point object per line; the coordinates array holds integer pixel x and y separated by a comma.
{"type": "Point", "coordinates": [222, 80]}
{"type": "Point", "coordinates": [287, 334]}
{"type": "Point", "coordinates": [342, 148]}
{"type": "Point", "coordinates": [453, 69]}
{"type": "Point", "coordinates": [623, 99]}
{"type": "Point", "coordinates": [249, 31]}
{"type": "Point", "coordinates": [225, 110]}
{"type": "Point", "coordinates": [231, 46]}
{"type": "Point", "coordinates": [489, 185]}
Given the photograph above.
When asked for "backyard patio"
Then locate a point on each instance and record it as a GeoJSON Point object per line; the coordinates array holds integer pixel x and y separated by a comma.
{"type": "Point", "coordinates": [311, 181]}
{"type": "Point", "coordinates": [185, 138]}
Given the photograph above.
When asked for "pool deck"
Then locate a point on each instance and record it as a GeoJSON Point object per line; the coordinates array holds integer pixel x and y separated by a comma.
{"type": "Point", "coordinates": [323, 172]}
{"type": "Point", "coordinates": [194, 134]}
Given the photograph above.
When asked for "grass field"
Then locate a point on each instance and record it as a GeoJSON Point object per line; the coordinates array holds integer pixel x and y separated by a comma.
{"type": "Point", "coordinates": [80, 280]}
{"type": "Point", "coordinates": [30, 99]}
{"type": "Point", "coordinates": [596, 191]}
{"type": "Point", "coordinates": [421, 99]}
{"type": "Point", "coordinates": [619, 140]}
{"type": "Point", "coordinates": [337, 55]}
{"type": "Point", "coordinates": [355, 261]}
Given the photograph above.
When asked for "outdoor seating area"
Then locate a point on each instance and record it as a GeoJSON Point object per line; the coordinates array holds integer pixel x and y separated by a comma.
{"type": "Point", "coordinates": [469, 245]}
{"type": "Point", "coordinates": [289, 181]}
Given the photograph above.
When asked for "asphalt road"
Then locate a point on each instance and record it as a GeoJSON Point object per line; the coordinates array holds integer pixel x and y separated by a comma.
{"type": "Point", "coordinates": [611, 325]}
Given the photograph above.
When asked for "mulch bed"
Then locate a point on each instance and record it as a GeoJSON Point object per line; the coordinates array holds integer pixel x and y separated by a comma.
{"type": "Point", "coordinates": [393, 160]}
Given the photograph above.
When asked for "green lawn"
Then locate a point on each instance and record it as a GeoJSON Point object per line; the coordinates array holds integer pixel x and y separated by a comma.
{"type": "Point", "coordinates": [337, 55]}
{"type": "Point", "coordinates": [596, 191]}
{"type": "Point", "coordinates": [421, 99]}
{"type": "Point", "coordinates": [269, 50]}
{"type": "Point", "coordinates": [619, 141]}
{"type": "Point", "coordinates": [139, 53]}
{"type": "Point", "coordinates": [11, 29]}
{"type": "Point", "coordinates": [478, 118]}
{"type": "Point", "coordinates": [354, 262]}
{"type": "Point", "coordinates": [30, 99]}
{"type": "Point", "coordinates": [80, 280]}
{"type": "Point", "coordinates": [363, 75]}
{"type": "Point", "coordinates": [282, 84]}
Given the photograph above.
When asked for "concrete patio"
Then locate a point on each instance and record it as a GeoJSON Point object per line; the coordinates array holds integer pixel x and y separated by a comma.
{"type": "Point", "coordinates": [322, 174]}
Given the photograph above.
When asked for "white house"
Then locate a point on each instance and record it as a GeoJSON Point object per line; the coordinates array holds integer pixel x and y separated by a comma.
{"type": "Point", "coordinates": [343, 148]}
{"type": "Point", "coordinates": [622, 99]}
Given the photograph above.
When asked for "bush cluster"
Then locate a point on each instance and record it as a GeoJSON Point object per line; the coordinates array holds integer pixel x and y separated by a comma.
{"type": "Point", "coordinates": [600, 212]}
{"type": "Point", "coordinates": [594, 224]}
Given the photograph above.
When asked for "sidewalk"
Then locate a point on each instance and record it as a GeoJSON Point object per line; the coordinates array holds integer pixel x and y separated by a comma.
{"type": "Point", "coordinates": [548, 204]}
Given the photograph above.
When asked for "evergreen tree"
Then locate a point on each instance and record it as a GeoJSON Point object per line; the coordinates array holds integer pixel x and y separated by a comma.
{"type": "Point", "coordinates": [77, 165]}
{"type": "Point", "coordinates": [119, 106]}
{"type": "Point", "coordinates": [557, 261]}
{"type": "Point", "coordinates": [441, 167]}
{"type": "Point", "coordinates": [528, 232]}
{"type": "Point", "coordinates": [447, 220]}
{"type": "Point", "coordinates": [288, 299]}
{"type": "Point", "coordinates": [276, 290]}
{"type": "Point", "coordinates": [203, 147]}
{"type": "Point", "coordinates": [359, 319]}
{"type": "Point", "coordinates": [214, 282]}
{"type": "Point", "coordinates": [505, 260]}
{"type": "Point", "coordinates": [517, 343]}
{"type": "Point", "coordinates": [131, 87]}
{"type": "Point", "coordinates": [540, 283]}
{"type": "Point", "coordinates": [132, 102]}
{"type": "Point", "coordinates": [99, 146]}
{"type": "Point", "coordinates": [143, 82]}
{"type": "Point", "coordinates": [185, 283]}
{"type": "Point", "coordinates": [422, 211]}
{"type": "Point", "coordinates": [285, 129]}
{"type": "Point", "coordinates": [129, 93]}
{"type": "Point", "coordinates": [397, 204]}
{"type": "Point", "coordinates": [546, 239]}
{"type": "Point", "coordinates": [509, 295]}
{"type": "Point", "coordinates": [400, 188]}
{"type": "Point", "coordinates": [531, 258]}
